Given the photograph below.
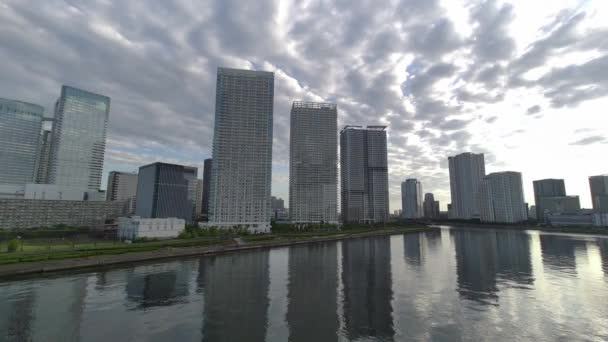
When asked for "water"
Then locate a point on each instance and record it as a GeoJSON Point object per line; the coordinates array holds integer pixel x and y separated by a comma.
{"type": "Point", "coordinates": [446, 285]}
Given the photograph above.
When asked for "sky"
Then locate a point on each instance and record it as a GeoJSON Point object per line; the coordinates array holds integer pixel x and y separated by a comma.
{"type": "Point", "coordinates": [524, 82]}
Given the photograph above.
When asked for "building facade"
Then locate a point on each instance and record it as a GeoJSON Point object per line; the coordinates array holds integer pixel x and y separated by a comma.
{"type": "Point", "coordinates": [501, 198]}
{"type": "Point", "coordinates": [20, 126]}
{"type": "Point", "coordinates": [162, 191]}
{"type": "Point", "coordinates": [411, 199]}
{"type": "Point", "coordinates": [79, 138]}
{"type": "Point", "coordinates": [198, 200]}
{"type": "Point", "coordinates": [560, 205]}
{"type": "Point", "coordinates": [430, 206]}
{"type": "Point", "coordinates": [131, 228]}
{"type": "Point", "coordinates": [546, 188]}
{"type": "Point", "coordinates": [122, 186]}
{"type": "Point", "coordinates": [206, 188]}
{"type": "Point", "coordinates": [599, 192]}
{"type": "Point", "coordinates": [44, 156]}
{"type": "Point", "coordinates": [313, 163]}
{"type": "Point", "coordinates": [30, 213]}
{"type": "Point", "coordinates": [242, 150]}
{"type": "Point", "coordinates": [466, 172]}
{"type": "Point", "coordinates": [364, 174]}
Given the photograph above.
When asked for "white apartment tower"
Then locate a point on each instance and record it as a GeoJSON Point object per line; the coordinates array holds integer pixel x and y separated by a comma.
{"type": "Point", "coordinates": [411, 199]}
{"type": "Point", "coordinates": [501, 198]}
{"type": "Point", "coordinates": [313, 163]}
{"type": "Point", "coordinates": [242, 150]}
{"type": "Point", "coordinates": [466, 171]}
{"type": "Point", "coordinates": [364, 174]}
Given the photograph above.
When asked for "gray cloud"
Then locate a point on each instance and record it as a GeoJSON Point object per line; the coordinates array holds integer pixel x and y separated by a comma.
{"type": "Point", "coordinates": [533, 110]}
{"type": "Point", "coordinates": [157, 61]}
{"type": "Point", "coordinates": [590, 140]}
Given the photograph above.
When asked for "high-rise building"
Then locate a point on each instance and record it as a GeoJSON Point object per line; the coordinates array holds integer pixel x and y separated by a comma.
{"type": "Point", "coordinates": [20, 125]}
{"type": "Point", "coordinates": [599, 192]}
{"type": "Point", "coordinates": [79, 138]}
{"type": "Point", "coordinates": [242, 149]}
{"type": "Point", "coordinates": [560, 204]}
{"type": "Point", "coordinates": [44, 154]}
{"type": "Point", "coordinates": [198, 212]}
{"type": "Point", "coordinates": [430, 206]}
{"type": "Point", "coordinates": [546, 188]}
{"type": "Point", "coordinates": [162, 191]}
{"type": "Point", "coordinates": [364, 174]}
{"type": "Point", "coordinates": [191, 174]}
{"type": "Point", "coordinates": [501, 198]}
{"type": "Point", "coordinates": [411, 199]}
{"type": "Point", "coordinates": [206, 188]}
{"type": "Point", "coordinates": [122, 186]}
{"type": "Point", "coordinates": [466, 171]}
{"type": "Point", "coordinates": [313, 162]}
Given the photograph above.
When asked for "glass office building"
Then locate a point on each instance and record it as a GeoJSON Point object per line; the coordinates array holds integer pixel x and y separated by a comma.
{"type": "Point", "coordinates": [20, 126]}
{"type": "Point", "coordinates": [79, 138]}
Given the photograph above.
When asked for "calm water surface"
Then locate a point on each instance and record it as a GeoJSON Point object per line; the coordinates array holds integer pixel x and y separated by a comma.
{"type": "Point", "coordinates": [446, 285]}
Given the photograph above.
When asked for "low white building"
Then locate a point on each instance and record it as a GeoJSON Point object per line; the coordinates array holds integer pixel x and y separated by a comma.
{"type": "Point", "coordinates": [131, 228]}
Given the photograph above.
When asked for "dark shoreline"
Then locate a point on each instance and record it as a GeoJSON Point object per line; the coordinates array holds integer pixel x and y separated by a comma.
{"type": "Point", "coordinates": [16, 271]}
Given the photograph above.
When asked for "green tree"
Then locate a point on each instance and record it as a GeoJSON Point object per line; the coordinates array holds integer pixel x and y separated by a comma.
{"type": "Point", "coordinates": [13, 245]}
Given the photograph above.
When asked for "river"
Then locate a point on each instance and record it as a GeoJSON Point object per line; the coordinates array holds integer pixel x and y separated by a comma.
{"type": "Point", "coordinates": [452, 284]}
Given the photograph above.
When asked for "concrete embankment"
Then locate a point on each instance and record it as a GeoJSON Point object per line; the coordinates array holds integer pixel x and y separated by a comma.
{"type": "Point", "coordinates": [42, 267]}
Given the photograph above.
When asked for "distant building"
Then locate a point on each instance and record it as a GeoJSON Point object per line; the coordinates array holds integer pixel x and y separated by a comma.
{"type": "Point", "coordinates": [276, 203]}
{"type": "Point", "coordinates": [546, 188]}
{"type": "Point", "coordinates": [599, 192]}
{"type": "Point", "coordinates": [122, 186]}
{"type": "Point", "coordinates": [242, 150]}
{"type": "Point", "coordinates": [501, 198]}
{"type": "Point", "coordinates": [431, 207]}
{"type": "Point", "coordinates": [466, 172]}
{"type": "Point", "coordinates": [191, 174]}
{"type": "Point", "coordinates": [532, 212]}
{"type": "Point", "coordinates": [20, 126]}
{"type": "Point", "coordinates": [30, 213]}
{"type": "Point", "coordinates": [411, 199]}
{"type": "Point", "coordinates": [206, 187]}
{"type": "Point", "coordinates": [313, 163]}
{"type": "Point", "coordinates": [198, 212]}
{"type": "Point", "coordinates": [44, 155]}
{"type": "Point", "coordinates": [162, 191]}
{"type": "Point", "coordinates": [79, 138]}
{"type": "Point", "coordinates": [131, 228]}
{"type": "Point", "coordinates": [364, 174]}
{"type": "Point", "coordinates": [397, 213]}
{"type": "Point", "coordinates": [559, 205]}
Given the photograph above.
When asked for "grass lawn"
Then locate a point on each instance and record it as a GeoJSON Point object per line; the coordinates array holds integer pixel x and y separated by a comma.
{"type": "Point", "coordinates": [56, 249]}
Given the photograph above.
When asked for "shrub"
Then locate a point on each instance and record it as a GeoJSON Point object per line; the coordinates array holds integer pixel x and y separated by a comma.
{"type": "Point", "coordinates": [13, 245]}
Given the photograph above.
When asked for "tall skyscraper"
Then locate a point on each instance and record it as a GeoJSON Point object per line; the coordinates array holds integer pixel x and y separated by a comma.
{"type": "Point", "coordinates": [364, 174]}
{"type": "Point", "coordinates": [313, 162]}
{"type": "Point", "coordinates": [44, 154]}
{"type": "Point", "coordinates": [466, 171]}
{"type": "Point", "coordinates": [546, 188]}
{"type": "Point", "coordinates": [430, 206]}
{"type": "Point", "coordinates": [599, 192]}
{"type": "Point", "coordinates": [79, 138]}
{"type": "Point", "coordinates": [501, 198]}
{"type": "Point", "coordinates": [162, 191]}
{"type": "Point", "coordinates": [242, 149]}
{"type": "Point", "coordinates": [411, 199]}
{"type": "Point", "coordinates": [198, 212]}
{"type": "Point", "coordinates": [191, 174]}
{"type": "Point", "coordinates": [20, 125]}
{"type": "Point", "coordinates": [206, 187]}
{"type": "Point", "coordinates": [122, 186]}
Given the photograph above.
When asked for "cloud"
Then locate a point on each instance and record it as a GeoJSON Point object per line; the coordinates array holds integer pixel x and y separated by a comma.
{"type": "Point", "coordinates": [416, 66]}
{"type": "Point", "coordinates": [594, 139]}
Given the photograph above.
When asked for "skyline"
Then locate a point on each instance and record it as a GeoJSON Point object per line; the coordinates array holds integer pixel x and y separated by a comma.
{"type": "Point", "coordinates": [149, 123]}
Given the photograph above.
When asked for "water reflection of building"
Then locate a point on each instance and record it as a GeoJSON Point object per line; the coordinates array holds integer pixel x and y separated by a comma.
{"type": "Point", "coordinates": [476, 264]}
{"type": "Point", "coordinates": [514, 260]}
{"type": "Point", "coordinates": [558, 251]}
{"type": "Point", "coordinates": [411, 249]}
{"type": "Point", "coordinates": [366, 276]}
{"type": "Point", "coordinates": [236, 296]}
{"type": "Point", "coordinates": [157, 285]}
{"type": "Point", "coordinates": [312, 292]}
{"type": "Point", "coordinates": [16, 314]}
{"type": "Point", "coordinates": [603, 245]}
